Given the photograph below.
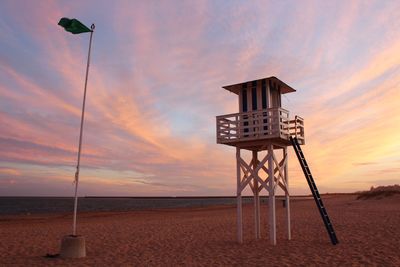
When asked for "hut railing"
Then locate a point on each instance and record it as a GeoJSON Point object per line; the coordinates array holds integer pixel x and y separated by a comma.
{"type": "Point", "coordinates": [261, 124]}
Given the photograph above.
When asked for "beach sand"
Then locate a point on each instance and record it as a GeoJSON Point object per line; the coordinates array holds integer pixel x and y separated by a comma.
{"type": "Point", "coordinates": [368, 231]}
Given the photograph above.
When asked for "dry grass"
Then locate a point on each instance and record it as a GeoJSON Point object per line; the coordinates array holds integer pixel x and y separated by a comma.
{"type": "Point", "coordinates": [380, 192]}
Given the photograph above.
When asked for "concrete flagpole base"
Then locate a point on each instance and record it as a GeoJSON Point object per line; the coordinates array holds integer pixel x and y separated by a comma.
{"type": "Point", "coordinates": [73, 246]}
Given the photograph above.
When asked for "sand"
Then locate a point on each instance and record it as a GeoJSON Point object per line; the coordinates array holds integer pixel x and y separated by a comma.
{"type": "Point", "coordinates": [368, 231]}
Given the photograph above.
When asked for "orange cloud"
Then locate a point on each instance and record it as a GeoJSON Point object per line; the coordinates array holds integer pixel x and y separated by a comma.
{"type": "Point", "coordinates": [9, 171]}
{"type": "Point", "coordinates": [155, 88]}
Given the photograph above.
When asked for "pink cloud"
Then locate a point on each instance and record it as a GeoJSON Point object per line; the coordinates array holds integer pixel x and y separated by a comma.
{"type": "Point", "coordinates": [155, 89]}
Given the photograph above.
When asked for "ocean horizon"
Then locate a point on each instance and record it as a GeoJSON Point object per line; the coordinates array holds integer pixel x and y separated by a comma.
{"type": "Point", "coordinates": [42, 205]}
{"type": "Point", "coordinates": [26, 205]}
{"type": "Point", "coordinates": [20, 205]}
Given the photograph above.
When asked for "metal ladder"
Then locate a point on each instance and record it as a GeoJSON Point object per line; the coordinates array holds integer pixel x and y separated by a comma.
{"type": "Point", "coordinates": [314, 190]}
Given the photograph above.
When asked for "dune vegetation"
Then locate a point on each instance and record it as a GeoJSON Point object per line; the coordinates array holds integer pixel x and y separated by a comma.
{"type": "Point", "coordinates": [380, 192]}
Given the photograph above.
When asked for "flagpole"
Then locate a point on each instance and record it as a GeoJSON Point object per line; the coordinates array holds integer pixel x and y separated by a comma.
{"type": "Point", "coordinates": [80, 135]}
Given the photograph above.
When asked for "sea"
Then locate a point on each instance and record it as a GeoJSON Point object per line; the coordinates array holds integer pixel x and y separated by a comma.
{"type": "Point", "coordinates": [46, 205]}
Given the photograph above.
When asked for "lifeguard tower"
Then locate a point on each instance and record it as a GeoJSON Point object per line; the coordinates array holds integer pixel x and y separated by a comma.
{"type": "Point", "coordinates": [263, 127]}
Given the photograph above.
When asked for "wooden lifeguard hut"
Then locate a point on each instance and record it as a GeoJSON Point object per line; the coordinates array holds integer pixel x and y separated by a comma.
{"type": "Point", "coordinates": [263, 127]}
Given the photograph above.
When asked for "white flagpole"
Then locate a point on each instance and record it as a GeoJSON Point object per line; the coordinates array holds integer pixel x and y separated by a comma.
{"type": "Point", "coordinates": [80, 135]}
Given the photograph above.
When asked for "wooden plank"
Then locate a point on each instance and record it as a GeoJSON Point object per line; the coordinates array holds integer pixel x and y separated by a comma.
{"type": "Point", "coordinates": [272, 218]}
{"type": "Point", "coordinates": [278, 167]}
{"type": "Point", "coordinates": [287, 196]}
{"type": "Point", "coordinates": [256, 197]}
{"type": "Point", "coordinates": [239, 200]}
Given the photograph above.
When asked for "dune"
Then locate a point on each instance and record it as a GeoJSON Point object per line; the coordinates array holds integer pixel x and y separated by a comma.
{"type": "Point", "coordinates": [380, 192]}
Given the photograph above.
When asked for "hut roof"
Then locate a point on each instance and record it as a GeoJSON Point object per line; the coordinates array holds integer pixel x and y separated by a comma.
{"type": "Point", "coordinates": [235, 88]}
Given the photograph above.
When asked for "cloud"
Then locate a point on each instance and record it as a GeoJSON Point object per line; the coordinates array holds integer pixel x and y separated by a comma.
{"type": "Point", "coordinates": [364, 163]}
{"type": "Point", "coordinates": [9, 172]}
{"type": "Point", "coordinates": [155, 88]}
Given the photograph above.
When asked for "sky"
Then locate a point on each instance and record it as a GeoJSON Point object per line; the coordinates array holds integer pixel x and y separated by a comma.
{"type": "Point", "coordinates": [155, 87]}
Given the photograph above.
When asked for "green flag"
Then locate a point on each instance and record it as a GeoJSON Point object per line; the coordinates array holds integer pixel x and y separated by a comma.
{"type": "Point", "coordinates": [73, 25]}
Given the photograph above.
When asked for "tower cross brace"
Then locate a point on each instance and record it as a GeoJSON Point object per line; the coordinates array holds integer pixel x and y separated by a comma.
{"type": "Point", "coordinates": [275, 173]}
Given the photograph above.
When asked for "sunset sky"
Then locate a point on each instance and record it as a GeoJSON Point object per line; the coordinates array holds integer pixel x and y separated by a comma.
{"type": "Point", "coordinates": [155, 88]}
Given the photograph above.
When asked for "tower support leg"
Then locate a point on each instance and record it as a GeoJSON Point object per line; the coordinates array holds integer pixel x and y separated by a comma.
{"type": "Point", "coordinates": [271, 190]}
{"type": "Point", "coordinates": [256, 197]}
{"type": "Point", "coordinates": [287, 196]}
{"type": "Point", "coordinates": [248, 175]}
{"type": "Point", "coordinates": [239, 199]}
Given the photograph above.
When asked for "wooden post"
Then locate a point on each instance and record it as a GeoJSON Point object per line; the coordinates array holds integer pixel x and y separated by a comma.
{"type": "Point", "coordinates": [287, 196]}
{"type": "Point", "coordinates": [272, 219]}
{"type": "Point", "coordinates": [256, 197]}
{"type": "Point", "coordinates": [239, 198]}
